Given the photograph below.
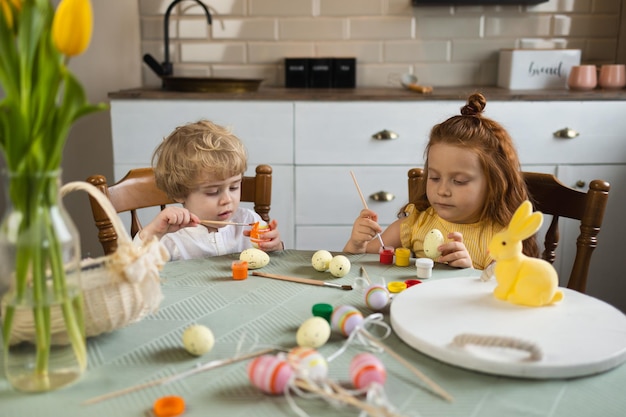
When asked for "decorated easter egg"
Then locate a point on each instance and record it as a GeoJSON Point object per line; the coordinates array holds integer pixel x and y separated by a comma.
{"type": "Point", "coordinates": [345, 319]}
{"type": "Point", "coordinates": [308, 362]}
{"type": "Point", "coordinates": [198, 339]}
{"type": "Point", "coordinates": [432, 241]}
{"type": "Point", "coordinates": [321, 260]}
{"type": "Point", "coordinates": [339, 266]}
{"type": "Point", "coordinates": [313, 333]}
{"type": "Point", "coordinates": [366, 369]}
{"type": "Point", "coordinates": [376, 297]}
{"type": "Point", "coordinates": [270, 373]}
{"type": "Point", "coordinates": [256, 258]}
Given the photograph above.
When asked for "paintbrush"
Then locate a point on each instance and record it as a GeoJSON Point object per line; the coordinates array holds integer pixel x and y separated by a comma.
{"type": "Point", "coordinates": [221, 223]}
{"type": "Point", "coordinates": [380, 239]}
{"type": "Point", "coordinates": [303, 280]}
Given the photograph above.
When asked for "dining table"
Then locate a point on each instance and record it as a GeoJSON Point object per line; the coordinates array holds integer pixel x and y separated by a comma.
{"type": "Point", "coordinates": [260, 314]}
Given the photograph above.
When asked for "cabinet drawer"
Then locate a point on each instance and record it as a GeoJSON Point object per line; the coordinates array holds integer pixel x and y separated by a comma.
{"type": "Point", "coordinates": [326, 195]}
{"type": "Point", "coordinates": [341, 133]}
{"type": "Point", "coordinates": [601, 126]}
{"type": "Point", "coordinates": [140, 125]}
{"type": "Point", "coordinates": [330, 238]}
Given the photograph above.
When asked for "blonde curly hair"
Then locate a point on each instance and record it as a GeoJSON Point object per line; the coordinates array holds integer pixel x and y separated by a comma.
{"type": "Point", "coordinates": [193, 151]}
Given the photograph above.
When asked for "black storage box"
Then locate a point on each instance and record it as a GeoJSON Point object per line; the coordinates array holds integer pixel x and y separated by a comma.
{"type": "Point", "coordinates": [296, 72]}
{"type": "Point", "coordinates": [320, 72]}
{"type": "Point", "coordinates": [344, 72]}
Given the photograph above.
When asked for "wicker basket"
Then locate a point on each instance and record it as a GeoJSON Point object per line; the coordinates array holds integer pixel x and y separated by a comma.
{"type": "Point", "coordinates": [118, 289]}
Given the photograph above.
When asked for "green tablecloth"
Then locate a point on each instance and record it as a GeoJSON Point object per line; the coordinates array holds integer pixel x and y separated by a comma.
{"type": "Point", "coordinates": [268, 312]}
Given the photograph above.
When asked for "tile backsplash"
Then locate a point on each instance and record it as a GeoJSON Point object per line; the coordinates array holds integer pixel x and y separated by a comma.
{"type": "Point", "coordinates": [443, 45]}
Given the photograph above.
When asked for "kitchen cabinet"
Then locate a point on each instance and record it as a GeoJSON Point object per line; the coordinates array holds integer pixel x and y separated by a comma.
{"type": "Point", "coordinates": [313, 142]}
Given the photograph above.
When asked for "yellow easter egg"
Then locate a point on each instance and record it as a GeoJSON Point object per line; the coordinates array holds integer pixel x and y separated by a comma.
{"type": "Point", "coordinates": [432, 241]}
{"type": "Point", "coordinates": [256, 258]}
{"type": "Point", "coordinates": [321, 260]}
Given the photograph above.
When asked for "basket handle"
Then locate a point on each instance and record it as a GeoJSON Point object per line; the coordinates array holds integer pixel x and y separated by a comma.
{"type": "Point", "coordinates": [104, 202]}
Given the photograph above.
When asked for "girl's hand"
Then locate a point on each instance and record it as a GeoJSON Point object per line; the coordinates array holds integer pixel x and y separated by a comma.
{"type": "Point", "coordinates": [170, 219]}
{"type": "Point", "coordinates": [455, 253]}
{"type": "Point", "coordinates": [364, 230]}
{"type": "Point", "coordinates": [271, 238]}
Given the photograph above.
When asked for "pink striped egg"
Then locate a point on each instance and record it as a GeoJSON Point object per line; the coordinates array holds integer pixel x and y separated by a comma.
{"type": "Point", "coordinates": [345, 319]}
{"type": "Point", "coordinates": [270, 373]}
{"type": "Point", "coordinates": [376, 297]}
{"type": "Point", "coordinates": [365, 369]}
{"type": "Point", "coordinates": [308, 362]}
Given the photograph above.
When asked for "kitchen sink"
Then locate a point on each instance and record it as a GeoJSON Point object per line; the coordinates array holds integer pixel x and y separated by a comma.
{"type": "Point", "coordinates": [210, 84]}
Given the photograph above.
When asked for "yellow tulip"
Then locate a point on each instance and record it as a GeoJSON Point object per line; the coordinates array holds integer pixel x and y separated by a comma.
{"type": "Point", "coordinates": [72, 26]}
{"type": "Point", "coordinates": [7, 12]}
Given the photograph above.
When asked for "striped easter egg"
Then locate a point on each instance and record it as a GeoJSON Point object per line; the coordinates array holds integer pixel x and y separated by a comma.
{"type": "Point", "coordinates": [365, 369]}
{"type": "Point", "coordinates": [345, 319]}
{"type": "Point", "coordinates": [376, 297]}
{"type": "Point", "coordinates": [308, 362]}
{"type": "Point", "coordinates": [270, 373]}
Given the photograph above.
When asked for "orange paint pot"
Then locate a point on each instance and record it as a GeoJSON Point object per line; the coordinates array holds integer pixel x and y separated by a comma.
{"type": "Point", "coordinates": [240, 270]}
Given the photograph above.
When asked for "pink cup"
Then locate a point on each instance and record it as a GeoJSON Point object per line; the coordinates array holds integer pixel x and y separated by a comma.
{"type": "Point", "coordinates": [612, 76]}
{"type": "Point", "coordinates": [583, 77]}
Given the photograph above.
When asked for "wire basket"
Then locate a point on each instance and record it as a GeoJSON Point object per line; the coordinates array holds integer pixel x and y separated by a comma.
{"type": "Point", "coordinates": [118, 289]}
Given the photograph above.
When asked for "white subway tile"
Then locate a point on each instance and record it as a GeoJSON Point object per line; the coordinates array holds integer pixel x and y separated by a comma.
{"type": "Point", "coordinates": [192, 70]}
{"type": "Point", "coordinates": [448, 27]}
{"type": "Point", "coordinates": [219, 8]}
{"type": "Point", "coordinates": [364, 52]}
{"type": "Point", "coordinates": [602, 50]}
{"type": "Point", "coordinates": [397, 7]}
{"type": "Point", "coordinates": [450, 74]}
{"type": "Point", "coordinates": [381, 28]}
{"type": "Point", "coordinates": [275, 53]}
{"type": "Point", "coordinates": [561, 6]}
{"type": "Point", "coordinates": [152, 29]}
{"type": "Point", "coordinates": [479, 50]}
{"type": "Point", "coordinates": [213, 52]}
{"type": "Point", "coordinates": [380, 75]}
{"type": "Point", "coordinates": [281, 7]}
{"type": "Point", "coordinates": [350, 7]}
{"type": "Point", "coordinates": [417, 51]}
{"type": "Point", "coordinates": [193, 29]}
{"type": "Point", "coordinates": [606, 6]}
{"type": "Point", "coordinates": [158, 7]}
{"type": "Point", "coordinates": [245, 29]}
{"type": "Point", "coordinates": [267, 73]}
{"type": "Point", "coordinates": [312, 29]}
{"type": "Point", "coordinates": [562, 25]}
{"type": "Point", "coordinates": [517, 26]}
{"type": "Point", "coordinates": [594, 26]}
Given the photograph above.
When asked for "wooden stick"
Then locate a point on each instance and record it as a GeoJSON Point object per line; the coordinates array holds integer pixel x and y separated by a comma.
{"type": "Point", "coordinates": [206, 367]}
{"type": "Point", "coordinates": [220, 223]}
{"type": "Point", "coordinates": [303, 280]}
{"type": "Point", "coordinates": [433, 386]}
{"type": "Point", "coordinates": [340, 394]}
{"type": "Point", "coordinates": [367, 277]}
{"type": "Point", "coordinates": [380, 239]}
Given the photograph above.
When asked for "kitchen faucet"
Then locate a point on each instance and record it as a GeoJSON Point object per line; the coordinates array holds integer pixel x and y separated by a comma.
{"type": "Point", "coordinates": [166, 68]}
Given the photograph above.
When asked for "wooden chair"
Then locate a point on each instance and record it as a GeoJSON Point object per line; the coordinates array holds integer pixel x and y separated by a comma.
{"type": "Point", "coordinates": [138, 190]}
{"type": "Point", "coordinates": [552, 197]}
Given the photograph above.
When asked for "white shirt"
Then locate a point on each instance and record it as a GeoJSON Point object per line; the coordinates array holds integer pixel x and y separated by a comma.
{"type": "Point", "coordinates": [199, 242]}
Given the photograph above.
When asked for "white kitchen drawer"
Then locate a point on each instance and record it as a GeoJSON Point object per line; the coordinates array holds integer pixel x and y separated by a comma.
{"type": "Point", "coordinates": [326, 195]}
{"type": "Point", "coordinates": [140, 125]}
{"type": "Point", "coordinates": [601, 126]}
{"type": "Point", "coordinates": [330, 238]}
{"type": "Point", "coordinates": [341, 132]}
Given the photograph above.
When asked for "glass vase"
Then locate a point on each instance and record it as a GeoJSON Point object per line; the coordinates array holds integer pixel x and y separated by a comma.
{"type": "Point", "coordinates": [43, 337]}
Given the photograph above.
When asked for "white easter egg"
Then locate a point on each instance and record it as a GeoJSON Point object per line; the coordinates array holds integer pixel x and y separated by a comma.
{"type": "Point", "coordinates": [339, 266]}
{"type": "Point", "coordinates": [313, 333]}
{"type": "Point", "coordinates": [256, 258]}
{"type": "Point", "coordinates": [432, 241]}
{"type": "Point", "coordinates": [321, 260]}
{"type": "Point", "coordinates": [198, 339]}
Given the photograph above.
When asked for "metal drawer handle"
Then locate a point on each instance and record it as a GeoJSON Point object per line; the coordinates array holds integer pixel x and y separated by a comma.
{"type": "Point", "coordinates": [385, 135]}
{"type": "Point", "coordinates": [580, 184]}
{"type": "Point", "coordinates": [566, 133]}
{"type": "Point", "coordinates": [382, 196]}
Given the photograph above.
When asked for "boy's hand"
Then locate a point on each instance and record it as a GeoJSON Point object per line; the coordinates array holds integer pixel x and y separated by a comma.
{"type": "Point", "coordinates": [170, 219]}
{"type": "Point", "coordinates": [271, 238]}
{"type": "Point", "coordinates": [455, 253]}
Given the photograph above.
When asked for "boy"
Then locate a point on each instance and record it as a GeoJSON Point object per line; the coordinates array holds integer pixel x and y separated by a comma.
{"type": "Point", "coordinates": [201, 166]}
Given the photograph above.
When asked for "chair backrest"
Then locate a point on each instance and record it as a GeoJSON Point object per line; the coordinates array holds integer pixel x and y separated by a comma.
{"type": "Point", "coordinates": [550, 196]}
{"type": "Point", "coordinates": [138, 190]}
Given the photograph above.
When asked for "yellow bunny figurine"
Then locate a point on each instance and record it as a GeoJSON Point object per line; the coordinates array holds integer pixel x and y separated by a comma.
{"type": "Point", "coordinates": [521, 279]}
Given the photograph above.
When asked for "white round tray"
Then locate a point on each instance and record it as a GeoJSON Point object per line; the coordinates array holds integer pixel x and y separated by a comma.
{"type": "Point", "coordinates": [579, 336]}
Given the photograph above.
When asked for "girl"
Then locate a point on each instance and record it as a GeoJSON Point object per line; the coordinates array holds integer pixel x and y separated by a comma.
{"type": "Point", "coordinates": [472, 186]}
